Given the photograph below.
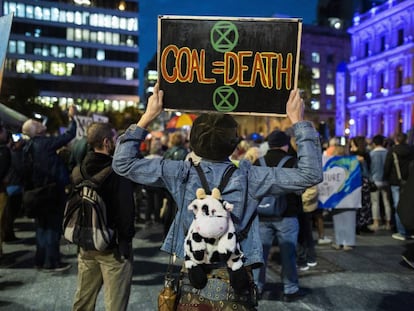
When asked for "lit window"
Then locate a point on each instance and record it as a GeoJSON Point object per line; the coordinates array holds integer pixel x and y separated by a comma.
{"type": "Point", "coordinates": [70, 34]}
{"type": "Point", "coordinates": [46, 14]}
{"type": "Point", "coordinates": [316, 58]}
{"type": "Point", "coordinates": [330, 89]}
{"type": "Point", "coordinates": [29, 11]}
{"type": "Point", "coordinates": [12, 46]}
{"type": "Point", "coordinates": [101, 37]}
{"type": "Point", "coordinates": [38, 12]}
{"type": "Point", "coordinates": [101, 20]}
{"type": "Point", "coordinates": [93, 36]}
{"type": "Point", "coordinates": [130, 41]}
{"type": "Point", "coordinates": [316, 88]}
{"type": "Point", "coordinates": [54, 14]}
{"type": "Point", "coordinates": [70, 17]}
{"type": "Point", "coordinates": [20, 10]}
{"type": "Point", "coordinates": [78, 52]}
{"type": "Point", "coordinates": [115, 22]}
{"type": "Point", "coordinates": [70, 52]}
{"type": "Point", "coordinates": [62, 16]}
{"type": "Point", "coordinates": [85, 18]}
{"type": "Point", "coordinates": [21, 47]}
{"type": "Point", "coordinates": [78, 34]}
{"type": "Point", "coordinates": [132, 24]}
{"type": "Point", "coordinates": [54, 51]}
{"type": "Point", "coordinates": [100, 55]}
{"type": "Point", "coordinates": [115, 39]}
{"type": "Point", "coordinates": [108, 38]}
{"type": "Point", "coordinates": [316, 73]}
{"type": "Point", "coordinates": [315, 104]}
{"type": "Point", "coordinates": [20, 66]}
{"type": "Point", "coordinates": [152, 75]}
{"type": "Point", "coordinates": [129, 73]}
{"type": "Point", "coordinates": [108, 21]}
{"type": "Point", "coordinates": [78, 18]}
{"type": "Point", "coordinates": [28, 67]}
{"type": "Point", "coordinates": [57, 69]}
{"type": "Point", "coordinates": [122, 23]}
{"type": "Point", "coordinates": [38, 67]}
{"type": "Point", "coordinates": [93, 20]}
{"type": "Point", "coordinates": [69, 68]}
{"type": "Point", "coordinates": [85, 34]}
{"type": "Point", "coordinates": [45, 51]}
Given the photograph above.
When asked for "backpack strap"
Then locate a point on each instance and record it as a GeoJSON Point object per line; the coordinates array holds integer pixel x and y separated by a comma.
{"type": "Point", "coordinates": [281, 163]}
{"type": "Point", "coordinates": [79, 175]}
{"type": "Point", "coordinates": [224, 179]}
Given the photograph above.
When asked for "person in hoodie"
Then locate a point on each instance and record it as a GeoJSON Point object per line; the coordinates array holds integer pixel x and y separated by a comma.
{"type": "Point", "coordinates": [111, 268]}
{"type": "Point", "coordinates": [404, 155]}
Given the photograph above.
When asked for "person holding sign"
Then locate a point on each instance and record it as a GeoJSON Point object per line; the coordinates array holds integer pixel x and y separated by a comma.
{"type": "Point", "coordinates": [213, 138]}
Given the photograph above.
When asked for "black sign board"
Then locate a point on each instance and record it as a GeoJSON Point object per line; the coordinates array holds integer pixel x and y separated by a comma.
{"type": "Point", "coordinates": [227, 64]}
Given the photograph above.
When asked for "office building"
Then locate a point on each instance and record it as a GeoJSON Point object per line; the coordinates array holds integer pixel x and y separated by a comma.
{"type": "Point", "coordinates": [381, 70]}
{"type": "Point", "coordinates": [78, 52]}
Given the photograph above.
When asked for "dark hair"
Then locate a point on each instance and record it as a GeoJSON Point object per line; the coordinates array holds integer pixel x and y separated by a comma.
{"type": "Point", "coordinates": [214, 136]}
{"type": "Point", "coordinates": [97, 132]}
{"type": "Point", "coordinates": [400, 138]}
{"type": "Point", "coordinates": [378, 140]}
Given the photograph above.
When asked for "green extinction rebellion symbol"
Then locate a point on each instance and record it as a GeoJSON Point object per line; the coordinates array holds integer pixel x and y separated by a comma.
{"type": "Point", "coordinates": [224, 36]}
{"type": "Point", "coordinates": [225, 99]}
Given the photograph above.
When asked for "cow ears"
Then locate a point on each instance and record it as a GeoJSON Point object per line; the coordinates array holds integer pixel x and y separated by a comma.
{"type": "Point", "coordinates": [200, 193]}
{"type": "Point", "coordinates": [216, 194]}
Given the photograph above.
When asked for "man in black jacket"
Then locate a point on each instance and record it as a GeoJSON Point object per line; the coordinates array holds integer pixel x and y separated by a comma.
{"type": "Point", "coordinates": [284, 228]}
{"type": "Point", "coordinates": [112, 267]}
{"type": "Point", "coordinates": [398, 159]}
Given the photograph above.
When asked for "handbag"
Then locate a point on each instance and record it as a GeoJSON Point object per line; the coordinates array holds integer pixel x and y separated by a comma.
{"type": "Point", "coordinates": [372, 186]}
{"type": "Point", "coordinates": [39, 200]}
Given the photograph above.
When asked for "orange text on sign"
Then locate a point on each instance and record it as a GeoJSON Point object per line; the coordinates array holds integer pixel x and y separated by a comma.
{"type": "Point", "coordinates": [267, 67]}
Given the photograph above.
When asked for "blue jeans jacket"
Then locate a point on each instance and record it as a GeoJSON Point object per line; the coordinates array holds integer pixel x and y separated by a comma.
{"type": "Point", "coordinates": [246, 187]}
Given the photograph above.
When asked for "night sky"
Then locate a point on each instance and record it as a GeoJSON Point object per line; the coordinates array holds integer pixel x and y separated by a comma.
{"type": "Point", "coordinates": [150, 9]}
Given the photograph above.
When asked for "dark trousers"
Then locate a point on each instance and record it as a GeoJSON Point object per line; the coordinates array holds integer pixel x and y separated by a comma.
{"type": "Point", "coordinates": [306, 245]}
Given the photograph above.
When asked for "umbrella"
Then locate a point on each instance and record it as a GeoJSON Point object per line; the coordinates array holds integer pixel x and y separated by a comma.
{"type": "Point", "coordinates": [185, 119]}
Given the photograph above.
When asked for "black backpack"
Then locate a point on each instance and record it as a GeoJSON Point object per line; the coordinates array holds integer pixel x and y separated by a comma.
{"type": "Point", "coordinates": [85, 221]}
{"type": "Point", "coordinates": [273, 205]}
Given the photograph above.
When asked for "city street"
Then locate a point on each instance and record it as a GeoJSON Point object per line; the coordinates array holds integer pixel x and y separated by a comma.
{"type": "Point", "coordinates": [370, 277]}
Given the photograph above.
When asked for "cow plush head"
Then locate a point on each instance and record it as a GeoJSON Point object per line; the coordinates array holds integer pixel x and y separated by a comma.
{"type": "Point", "coordinates": [212, 215]}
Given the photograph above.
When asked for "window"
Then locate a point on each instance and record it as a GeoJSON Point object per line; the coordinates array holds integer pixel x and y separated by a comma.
{"type": "Point", "coordinates": [29, 11]}
{"type": "Point", "coordinates": [12, 46]}
{"type": "Point", "coordinates": [316, 73]}
{"type": "Point", "coordinates": [400, 37]}
{"type": "Point", "coordinates": [330, 58]}
{"type": "Point", "coordinates": [399, 77]}
{"type": "Point", "coordinates": [70, 34]}
{"type": "Point", "coordinates": [382, 44]}
{"type": "Point", "coordinates": [38, 13]}
{"type": "Point", "coordinates": [129, 73]}
{"type": "Point", "coordinates": [54, 14]}
{"type": "Point", "coordinates": [330, 89]}
{"type": "Point", "coordinates": [381, 82]}
{"type": "Point", "coordinates": [316, 89]}
{"type": "Point", "coordinates": [70, 52]}
{"type": "Point", "coordinates": [316, 57]}
{"type": "Point", "coordinates": [46, 14]}
{"type": "Point", "coordinates": [21, 47]}
{"type": "Point", "coordinates": [100, 55]}
{"type": "Point", "coordinates": [315, 104]}
{"type": "Point", "coordinates": [20, 10]}
{"type": "Point", "coordinates": [366, 49]}
{"type": "Point", "coordinates": [329, 104]}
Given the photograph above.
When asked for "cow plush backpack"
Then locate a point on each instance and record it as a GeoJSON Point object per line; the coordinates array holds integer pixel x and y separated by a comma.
{"type": "Point", "coordinates": [211, 237]}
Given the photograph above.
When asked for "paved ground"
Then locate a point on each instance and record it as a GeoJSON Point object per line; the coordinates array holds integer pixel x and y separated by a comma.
{"type": "Point", "coordinates": [370, 277]}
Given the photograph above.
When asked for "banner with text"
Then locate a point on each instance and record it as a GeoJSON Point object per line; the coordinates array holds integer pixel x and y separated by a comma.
{"type": "Point", "coordinates": [5, 26]}
{"type": "Point", "coordinates": [228, 64]}
{"type": "Point", "coordinates": [342, 183]}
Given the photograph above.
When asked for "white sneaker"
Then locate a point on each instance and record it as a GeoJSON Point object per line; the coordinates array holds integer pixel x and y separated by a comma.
{"type": "Point", "coordinates": [398, 236]}
{"type": "Point", "coordinates": [312, 264]}
{"type": "Point", "coordinates": [324, 241]}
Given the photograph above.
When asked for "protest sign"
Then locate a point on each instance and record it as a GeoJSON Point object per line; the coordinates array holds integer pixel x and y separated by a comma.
{"type": "Point", "coordinates": [342, 183]}
{"type": "Point", "coordinates": [82, 123]}
{"type": "Point", "coordinates": [225, 64]}
{"type": "Point", "coordinates": [5, 26]}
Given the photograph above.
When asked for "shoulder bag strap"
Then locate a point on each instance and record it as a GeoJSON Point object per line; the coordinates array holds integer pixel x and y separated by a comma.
{"type": "Point", "coordinates": [397, 165]}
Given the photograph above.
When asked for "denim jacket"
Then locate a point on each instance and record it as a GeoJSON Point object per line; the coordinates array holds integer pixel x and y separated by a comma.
{"type": "Point", "coordinates": [378, 156]}
{"type": "Point", "coordinates": [246, 187]}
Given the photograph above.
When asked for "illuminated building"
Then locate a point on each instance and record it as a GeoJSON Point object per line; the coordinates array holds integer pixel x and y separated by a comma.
{"type": "Point", "coordinates": [381, 70]}
{"type": "Point", "coordinates": [79, 52]}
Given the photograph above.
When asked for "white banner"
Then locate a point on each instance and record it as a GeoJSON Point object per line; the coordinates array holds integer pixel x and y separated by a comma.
{"type": "Point", "coordinates": [5, 26]}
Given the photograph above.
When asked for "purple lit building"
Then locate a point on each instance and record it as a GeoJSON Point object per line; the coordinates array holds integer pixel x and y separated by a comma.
{"type": "Point", "coordinates": [380, 98]}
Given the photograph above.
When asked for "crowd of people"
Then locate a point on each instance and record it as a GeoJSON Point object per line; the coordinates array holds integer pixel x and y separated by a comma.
{"type": "Point", "coordinates": [154, 180]}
